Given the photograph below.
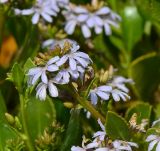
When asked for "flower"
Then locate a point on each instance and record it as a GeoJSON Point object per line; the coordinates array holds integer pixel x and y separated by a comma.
{"type": "Point", "coordinates": [86, 19]}
{"type": "Point", "coordinates": [155, 122]}
{"type": "Point", "coordinates": [63, 76]}
{"type": "Point", "coordinates": [75, 58]}
{"type": "Point", "coordinates": [103, 92]}
{"type": "Point", "coordinates": [118, 94]}
{"type": "Point", "coordinates": [119, 90]}
{"type": "Point", "coordinates": [85, 147]}
{"type": "Point", "coordinates": [41, 90]}
{"type": "Point", "coordinates": [124, 145]}
{"type": "Point", "coordinates": [3, 1]}
{"type": "Point", "coordinates": [100, 135]}
{"type": "Point", "coordinates": [153, 139]}
{"type": "Point", "coordinates": [119, 82]}
{"type": "Point", "coordinates": [35, 73]}
{"type": "Point", "coordinates": [46, 9]}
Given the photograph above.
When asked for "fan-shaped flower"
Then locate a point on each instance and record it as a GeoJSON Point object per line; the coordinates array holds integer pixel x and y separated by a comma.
{"type": "Point", "coordinates": [37, 72]}
{"type": "Point", "coordinates": [46, 9]}
{"type": "Point", "coordinates": [75, 58]}
{"type": "Point", "coordinates": [153, 140]}
{"type": "Point", "coordinates": [124, 145]}
{"type": "Point", "coordinates": [86, 20]}
{"type": "Point", "coordinates": [42, 88]}
{"type": "Point", "coordinates": [103, 92]}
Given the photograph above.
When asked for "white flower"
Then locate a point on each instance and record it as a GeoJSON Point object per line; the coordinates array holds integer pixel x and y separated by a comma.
{"type": "Point", "coordinates": [155, 122]}
{"type": "Point", "coordinates": [103, 92]}
{"type": "Point", "coordinates": [37, 72]}
{"type": "Point", "coordinates": [63, 76]}
{"type": "Point", "coordinates": [42, 88]}
{"type": "Point", "coordinates": [75, 58]}
{"type": "Point", "coordinates": [153, 140]}
{"type": "Point", "coordinates": [3, 1]}
{"type": "Point", "coordinates": [100, 135]}
{"type": "Point", "coordinates": [44, 8]}
{"type": "Point", "coordinates": [85, 147]}
{"type": "Point", "coordinates": [119, 82]}
{"type": "Point", "coordinates": [86, 20]}
{"type": "Point", "coordinates": [118, 95]}
{"type": "Point", "coordinates": [124, 145]}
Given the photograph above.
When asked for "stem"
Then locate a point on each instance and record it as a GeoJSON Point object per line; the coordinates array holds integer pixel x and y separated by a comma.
{"type": "Point", "coordinates": [28, 141]}
{"type": "Point", "coordinates": [86, 104]}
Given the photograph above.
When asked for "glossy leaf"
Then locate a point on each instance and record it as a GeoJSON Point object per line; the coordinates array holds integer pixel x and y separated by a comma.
{"type": "Point", "coordinates": [17, 76]}
{"type": "Point", "coordinates": [39, 115]}
{"type": "Point", "coordinates": [145, 72]}
{"type": "Point", "coordinates": [73, 132]}
{"type": "Point", "coordinates": [116, 126]}
{"type": "Point", "coordinates": [132, 27]}
{"type": "Point", "coordinates": [143, 111]}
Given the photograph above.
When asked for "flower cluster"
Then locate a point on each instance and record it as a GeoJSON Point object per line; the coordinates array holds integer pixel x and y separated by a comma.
{"type": "Point", "coordinates": [44, 8]}
{"type": "Point", "coordinates": [95, 16]}
{"type": "Point", "coordinates": [58, 69]}
{"type": "Point", "coordinates": [116, 88]}
{"type": "Point", "coordinates": [102, 143]}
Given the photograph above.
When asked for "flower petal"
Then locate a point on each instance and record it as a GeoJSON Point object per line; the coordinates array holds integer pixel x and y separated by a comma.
{"type": "Point", "coordinates": [44, 77]}
{"type": "Point", "coordinates": [35, 18]}
{"type": "Point", "coordinates": [53, 60]}
{"type": "Point", "coordinates": [86, 32]}
{"type": "Point", "coordinates": [72, 64]}
{"type": "Point", "coordinates": [53, 91]}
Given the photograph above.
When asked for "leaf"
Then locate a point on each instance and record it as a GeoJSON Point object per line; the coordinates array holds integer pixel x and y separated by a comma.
{"type": "Point", "coordinates": [73, 132]}
{"type": "Point", "coordinates": [145, 72]}
{"type": "Point", "coordinates": [17, 76]}
{"type": "Point", "coordinates": [6, 132]}
{"type": "Point", "coordinates": [143, 111]}
{"type": "Point", "coordinates": [150, 9]}
{"type": "Point", "coordinates": [39, 115]}
{"type": "Point", "coordinates": [116, 126]}
{"type": "Point", "coordinates": [29, 64]}
{"type": "Point", "coordinates": [132, 27]}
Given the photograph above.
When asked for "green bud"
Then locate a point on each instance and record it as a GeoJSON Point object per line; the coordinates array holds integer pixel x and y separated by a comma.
{"type": "Point", "coordinates": [10, 118]}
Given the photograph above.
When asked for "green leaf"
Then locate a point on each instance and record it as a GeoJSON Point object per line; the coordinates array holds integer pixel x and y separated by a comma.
{"type": "Point", "coordinates": [17, 76]}
{"type": "Point", "coordinates": [6, 132]}
{"type": "Point", "coordinates": [116, 126]}
{"type": "Point", "coordinates": [145, 72]}
{"type": "Point", "coordinates": [143, 111]}
{"type": "Point", "coordinates": [132, 27]}
{"type": "Point", "coordinates": [29, 64]}
{"type": "Point", "coordinates": [73, 132]}
{"type": "Point", "coordinates": [150, 9]}
{"type": "Point", "coordinates": [39, 115]}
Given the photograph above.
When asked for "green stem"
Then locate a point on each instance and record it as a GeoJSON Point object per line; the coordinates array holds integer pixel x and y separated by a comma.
{"type": "Point", "coordinates": [28, 141]}
{"type": "Point", "coordinates": [87, 105]}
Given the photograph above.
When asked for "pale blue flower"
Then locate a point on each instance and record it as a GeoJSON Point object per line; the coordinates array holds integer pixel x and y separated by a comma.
{"type": "Point", "coordinates": [42, 88]}
{"type": "Point", "coordinates": [3, 1]}
{"type": "Point", "coordinates": [124, 145]}
{"type": "Point", "coordinates": [75, 58]}
{"type": "Point", "coordinates": [118, 95]}
{"type": "Point", "coordinates": [153, 140]}
{"type": "Point", "coordinates": [37, 72]}
{"type": "Point", "coordinates": [86, 20]}
{"type": "Point", "coordinates": [42, 8]}
{"type": "Point", "coordinates": [100, 135]}
{"type": "Point", "coordinates": [119, 82]}
{"type": "Point", "coordinates": [64, 75]}
{"type": "Point", "coordinates": [103, 92]}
